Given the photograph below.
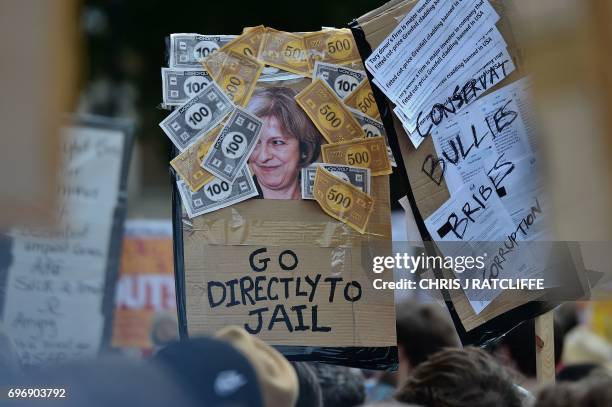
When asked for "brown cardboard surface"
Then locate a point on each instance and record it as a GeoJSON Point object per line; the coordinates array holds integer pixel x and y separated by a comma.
{"type": "Point", "coordinates": [36, 96]}
{"type": "Point", "coordinates": [350, 323]}
{"type": "Point", "coordinates": [428, 195]}
{"type": "Point", "coordinates": [218, 246]}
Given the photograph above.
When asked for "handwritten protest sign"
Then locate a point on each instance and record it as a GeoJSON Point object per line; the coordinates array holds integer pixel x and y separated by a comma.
{"type": "Point", "coordinates": [466, 140]}
{"type": "Point", "coordinates": [280, 267]}
{"type": "Point", "coordinates": [284, 290]}
{"type": "Point", "coordinates": [292, 276]}
{"type": "Point", "coordinates": [58, 278]}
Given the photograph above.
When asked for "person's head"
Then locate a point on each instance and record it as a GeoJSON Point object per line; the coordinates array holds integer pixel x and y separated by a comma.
{"type": "Point", "coordinates": [574, 373]}
{"type": "Point", "coordinates": [390, 403]}
{"type": "Point", "coordinates": [288, 141]}
{"type": "Point", "coordinates": [595, 391]}
{"type": "Point", "coordinates": [164, 329]}
{"type": "Point", "coordinates": [460, 377]}
{"type": "Point", "coordinates": [422, 330]}
{"type": "Point", "coordinates": [341, 386]}
{"type": "Point", "coordinates": [310, 394]}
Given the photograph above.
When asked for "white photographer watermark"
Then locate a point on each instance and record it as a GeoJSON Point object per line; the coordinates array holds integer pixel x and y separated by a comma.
{"type": "Point", "coordinates": [456, 284]}
{"type": "Point", "coordinates": [405, 261]}
{"type": "Point", "coordinates": [459, 264]}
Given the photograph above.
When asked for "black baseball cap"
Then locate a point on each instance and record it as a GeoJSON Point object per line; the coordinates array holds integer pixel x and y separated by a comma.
{"type": "Point", "coordinates": [213, 371]}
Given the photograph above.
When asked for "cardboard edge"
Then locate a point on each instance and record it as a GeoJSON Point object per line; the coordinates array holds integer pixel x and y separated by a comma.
{"type": "Point", "coordinates": [178, 251]}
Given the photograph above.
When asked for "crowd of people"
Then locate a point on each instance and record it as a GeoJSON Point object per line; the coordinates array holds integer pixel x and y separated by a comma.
{"type": "Point", "coordinates": [234, 369]}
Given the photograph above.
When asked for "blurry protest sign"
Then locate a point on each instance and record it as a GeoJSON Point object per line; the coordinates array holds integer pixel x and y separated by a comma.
{"type": "Point", "coordinates": [37, 93]}
{"type": "Point", "coordinates": [145, 305]}
{"type": "Point", "coordinates": [59, 281]}
{"type": "Point", "coordinates": [287, 269]}
{"type": "Point", "coordinates": [450, 87]}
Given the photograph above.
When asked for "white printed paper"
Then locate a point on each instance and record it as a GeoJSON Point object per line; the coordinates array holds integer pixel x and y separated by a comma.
{"type": "Point", "coordinates": [474, 221]}
{"type": "Point", "coordinates": [450, 97]}
{"type": "Point", "coordinates": [441, 57]}
{"type": "Point", "coordinates": [491, 129]}
{"type": "Point", "coordinates": [56, 280]}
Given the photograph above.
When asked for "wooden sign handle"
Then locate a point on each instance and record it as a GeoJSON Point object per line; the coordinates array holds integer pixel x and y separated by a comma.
{"type": "Point", "coordinates": [545, 348]}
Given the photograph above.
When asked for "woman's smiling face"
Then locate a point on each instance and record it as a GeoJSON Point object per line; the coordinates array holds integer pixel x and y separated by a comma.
{"type": "Point", "coordinates": [276, 157]}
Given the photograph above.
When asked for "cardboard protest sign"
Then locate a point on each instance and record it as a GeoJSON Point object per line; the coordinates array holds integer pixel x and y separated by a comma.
{"type": "Point", "coordinates": [58, 291]}
{"type": "Point", "coordinates": [427, 127]}
{"type": "Point", "coordinates": [288, 273]}
{"type": "Point", "coordinates": [145, 311]}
